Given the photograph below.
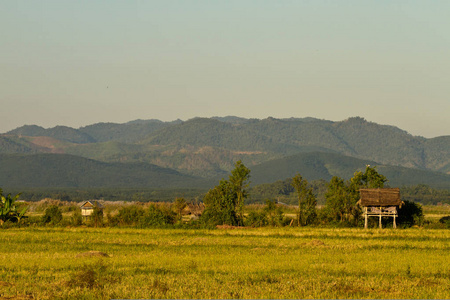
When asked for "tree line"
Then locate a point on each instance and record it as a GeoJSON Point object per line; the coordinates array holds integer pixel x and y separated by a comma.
{"type": "Point", "coordinates": [225, 204]}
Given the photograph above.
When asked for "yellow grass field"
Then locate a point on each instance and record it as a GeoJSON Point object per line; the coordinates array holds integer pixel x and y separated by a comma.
{"type": "Point", "coordinates": [60, 263]}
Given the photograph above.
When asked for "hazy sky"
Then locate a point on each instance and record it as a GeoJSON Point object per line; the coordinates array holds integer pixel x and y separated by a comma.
{"type": "Point", "coordinates": [76, 63]}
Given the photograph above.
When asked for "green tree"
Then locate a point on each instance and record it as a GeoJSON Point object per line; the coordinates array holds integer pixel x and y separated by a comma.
{"type": "Point", "coordinates": [338, 200]}
{"type": "Point", "coordinates": [239, 180]}
{"type": "Point", "coordinates": [306, 201]}
{"type": "Point", "coordinates": [220, 205]}
{"type": "Point", "coordinates": [370, 179]}
{"type": "Point", "coordinates": [341, 197]}
{"type": "Point", "coordinates": [224, 203]}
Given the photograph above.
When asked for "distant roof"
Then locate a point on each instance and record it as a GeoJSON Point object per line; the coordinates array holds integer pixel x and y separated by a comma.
{"type": "Point", "coordinates": [91, 204]}
{"type": "Point", "coordinates": [380, 197]}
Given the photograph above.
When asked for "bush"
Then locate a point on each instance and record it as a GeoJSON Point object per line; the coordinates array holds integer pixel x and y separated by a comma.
{"type": "Point", "coordinates": [129, 215]}
{"type": "Point", "coordinates": [256, 219]}
{"type": "Point", "coordinates": [134, 215]}
{"type": "Point", "coordinates": [156, 216]}
{"type": "Point", "coordinates": [112, 220]}
{"type": "Point", "coordinates": [96, 218]}
{"type": "Point", "coordinates": [274, 213]}
{"type": "Point", "coordinates": [52, 215]}
{"type": "Point", "coordinates": [91, 276]}
{"type": "Point", "coordinates": [410, 214]}
{"type": "Point", "coordinates": [445, 220]}
{"type": "Point", "coordinates": [270, 215]}
{"type": "Point", "coordinates": [76, 219]}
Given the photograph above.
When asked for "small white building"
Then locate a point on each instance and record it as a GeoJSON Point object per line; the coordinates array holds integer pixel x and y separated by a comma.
{"type": "Point", "coordinates": [87, 208]}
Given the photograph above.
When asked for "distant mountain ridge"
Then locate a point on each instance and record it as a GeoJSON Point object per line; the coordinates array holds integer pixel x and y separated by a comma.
{"type": "Point", "coordinates": [208, 147]}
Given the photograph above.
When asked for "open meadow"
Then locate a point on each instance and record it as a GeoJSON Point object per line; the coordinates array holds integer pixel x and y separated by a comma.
{"type": "Point", "coordinates": [60, 263]}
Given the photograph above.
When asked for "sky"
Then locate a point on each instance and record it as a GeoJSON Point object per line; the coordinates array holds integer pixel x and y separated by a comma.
{"type": "Point", "coordinates": [77, 63]}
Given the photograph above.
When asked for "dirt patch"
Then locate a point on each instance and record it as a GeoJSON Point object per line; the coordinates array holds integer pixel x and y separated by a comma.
{"type": "Point", "coordinates": [48, 144]}
{"type": "Point", "coordinates": [92, 254]}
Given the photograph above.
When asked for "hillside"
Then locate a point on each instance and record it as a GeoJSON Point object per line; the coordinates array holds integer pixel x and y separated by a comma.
{"type": "Point", "coordinates": [316, 166]}
{"type": "Point", "coordinates": [353, 137]}
{"type": "Point", "coordinates": [62, 170]}
{"type": "Point", "coordinates": [208, 147]}
{"type": "Point", "coordinates": [437, 152]}
{"type": "Point", "coordinates": [12, 144]}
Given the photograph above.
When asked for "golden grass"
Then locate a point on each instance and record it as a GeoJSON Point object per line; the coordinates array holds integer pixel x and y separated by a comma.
{"type": "Point", "coordinates": [235, 263]}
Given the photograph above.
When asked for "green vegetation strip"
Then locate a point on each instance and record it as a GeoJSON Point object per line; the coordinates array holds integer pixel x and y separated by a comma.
{"type": "Point", "coordinates": [69, 263]}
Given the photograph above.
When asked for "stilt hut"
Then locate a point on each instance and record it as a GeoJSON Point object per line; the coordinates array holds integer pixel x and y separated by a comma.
{"type": "Point", "coordinates": [380, 203]}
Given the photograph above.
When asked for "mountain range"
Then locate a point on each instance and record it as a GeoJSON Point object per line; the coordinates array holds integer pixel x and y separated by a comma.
{"type": "Point", "coordinates": [198, 152]}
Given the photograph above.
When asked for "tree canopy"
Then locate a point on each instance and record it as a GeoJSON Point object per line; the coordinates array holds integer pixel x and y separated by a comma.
{"type": "Point", "coordinates": [341, 197]}
{"type": "Point", "coordinates": [224, 203]}
{"type": "Point", "coordinates": [306, 201]}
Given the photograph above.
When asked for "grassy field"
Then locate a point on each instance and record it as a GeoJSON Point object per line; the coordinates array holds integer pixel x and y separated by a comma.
{"type": "Point", "coordinates": [55, 263]}
{"type": "Point", "coordinates": [433, 213]}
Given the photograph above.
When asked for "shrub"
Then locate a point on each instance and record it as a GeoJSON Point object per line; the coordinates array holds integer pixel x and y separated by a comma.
{"type": "Point", "coordinates": [410, 214]}
{"type": "Point", "coordinates": [96, 219]}
{"type": "Point", "coordinates": [270, 215]}
{"type": "Point", "coordinates": [112, 220]}
{"type": "Point", "coordinates": [256, 219]}
{"type": "Point", "coordinates": [274, 213]}
{"type": "Point", "coordinates": [129, 215]}
{"type": "Point", "coordinates": [89, 276]}
{"type": "Point", "coordinates": [76, 219]}
{"type": "Point", "coordinates": [157, 216]}
{"type": "Point", "coordinates": [445, 220]}
{"type": "Point", "coordinates": [52, 215]}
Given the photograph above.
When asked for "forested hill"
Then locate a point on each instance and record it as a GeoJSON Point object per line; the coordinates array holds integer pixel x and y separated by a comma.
{"type": "Point", "coordinates": [68, 171]}
{"type": "Point", "coordinates": [209, 146]}
{"type": "Point", "coordinates": [320, 165]}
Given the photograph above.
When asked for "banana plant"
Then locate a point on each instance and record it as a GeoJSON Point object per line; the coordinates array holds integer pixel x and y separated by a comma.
{"type": "Point", "coordinates": [8, 209]}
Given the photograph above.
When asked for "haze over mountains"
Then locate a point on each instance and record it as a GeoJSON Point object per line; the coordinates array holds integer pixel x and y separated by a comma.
{"type": "Point", "coordinates": [196, 152]}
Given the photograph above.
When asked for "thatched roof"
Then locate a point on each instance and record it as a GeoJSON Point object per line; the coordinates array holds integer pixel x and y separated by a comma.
{"type": "Point", "coordinates": [380, 197]}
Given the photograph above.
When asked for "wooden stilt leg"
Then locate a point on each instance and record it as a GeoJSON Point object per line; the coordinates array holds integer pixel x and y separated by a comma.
{"type": "Point", "coordinates": [365, 217]}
